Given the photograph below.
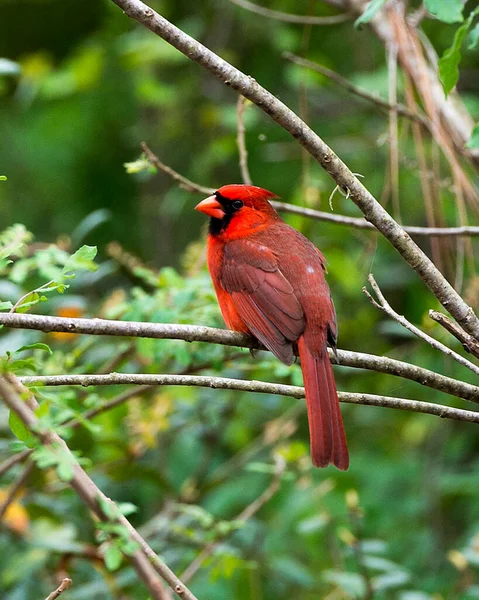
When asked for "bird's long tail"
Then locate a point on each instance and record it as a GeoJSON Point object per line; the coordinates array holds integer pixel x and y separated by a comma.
{"type": "Point", "coordinates": [326, 430]}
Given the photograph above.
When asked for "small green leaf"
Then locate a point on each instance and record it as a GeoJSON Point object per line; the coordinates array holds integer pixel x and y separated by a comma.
{"type": "Point", "coordinates": [37, 346]}
{"type": "Point", "coordinates": [112, 557]}
{"type": "Point", "coordinates": [369, 12]}
{"type": "Point", "coordinates": [20, 430]}
{"type": "Point", "coordinates": [449, 61]}
{"type": "Point", "coordinates": [65, 469]}
{"type": "Point", "coordinates": [3, 178]}
{"type": "Point", "coordinates": [82, 259]}
{"type": "Point", "coordinates": [108, 507]}
{"type": "Point", "coordinates": [448, 11]}
{"type": "Point", "coordinates": [474, 139]}
{"type": "Point", "coordinates": [7, 305]}
{"type": "Point", "coordinates": [127, 508]}
{"type": "Point", "coordinates": [473, 37]}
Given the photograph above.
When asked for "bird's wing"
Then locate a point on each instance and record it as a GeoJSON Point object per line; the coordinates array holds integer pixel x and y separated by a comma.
{"type": "Point", "coordinates": [263, 297]}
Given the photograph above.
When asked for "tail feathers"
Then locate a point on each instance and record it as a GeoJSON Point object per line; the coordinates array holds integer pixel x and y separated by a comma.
{"type": "Point", "coordinates": [326, 430]}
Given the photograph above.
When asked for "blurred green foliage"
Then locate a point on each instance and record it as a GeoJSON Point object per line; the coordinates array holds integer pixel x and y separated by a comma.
{"type": "Point", "coordinates": [80, 88]}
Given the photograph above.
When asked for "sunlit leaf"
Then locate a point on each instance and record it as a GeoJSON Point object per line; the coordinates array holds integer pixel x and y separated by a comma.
{"type": "Point", "coordinates": [20, 430]}
{"type": "Point", "coordinates": [449, 11]}
{"type": "Point", "coordinates": [474, 139]}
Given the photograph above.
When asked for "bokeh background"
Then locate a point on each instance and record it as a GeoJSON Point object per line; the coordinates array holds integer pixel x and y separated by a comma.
{"type": "Point", "coordinates": [81, 88]}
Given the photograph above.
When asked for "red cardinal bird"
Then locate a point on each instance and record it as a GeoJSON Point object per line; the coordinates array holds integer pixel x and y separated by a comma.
{"type": "Point", "coordinates": [269, 280]}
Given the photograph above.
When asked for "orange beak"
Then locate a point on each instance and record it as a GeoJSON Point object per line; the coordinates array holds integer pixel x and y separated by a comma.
{"type": "Point", "coordinates": [211, 207]}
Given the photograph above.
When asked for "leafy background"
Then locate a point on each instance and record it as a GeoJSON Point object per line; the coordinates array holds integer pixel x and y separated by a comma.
{"type": "Point", "coordinates": [81, 87]}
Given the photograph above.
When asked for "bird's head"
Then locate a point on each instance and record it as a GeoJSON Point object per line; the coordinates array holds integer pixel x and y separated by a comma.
{"type": "Point", "coordinates": [237, 209]}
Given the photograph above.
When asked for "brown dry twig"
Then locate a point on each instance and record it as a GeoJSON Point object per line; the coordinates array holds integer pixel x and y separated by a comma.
{"type": "Point", "coordinates": [291, 18]}
{"type": "Point", "coordinates": [241, 141]}
{"type": "Point", "coordinates": [358, 223]}
{"type": "Point", "coordinates": [469, 343]}
{"type": "Point", "coordinates": [64, 585]}
{"type": "Point", "coordinates": [384, 306]}
{"type": "Point", "coordinates": [243, 385]}
{"type": "Point", "coordinates": [244, 515]}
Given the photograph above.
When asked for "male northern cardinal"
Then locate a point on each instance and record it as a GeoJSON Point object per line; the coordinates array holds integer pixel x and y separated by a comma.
{"type": "Point", "coordinates": [269, 280]}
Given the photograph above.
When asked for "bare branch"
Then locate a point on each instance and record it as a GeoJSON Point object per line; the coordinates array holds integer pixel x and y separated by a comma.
{"type": "Point", "coordinates": [91, 495]}
{"type": "Point", "coordinates": [242, 385]}
{"type": "Point", "coordinates": [195, 333]}
{"type": "Point", "coordinates": [384, 305]}
{"type": "Point", "coordinates": [64, 585]}
{"type": "Point", "coordinates": [320, 151]}
{"type": "Point", "coordinates": [240, 140]}
{"type": "Point", "coordinates": [469, 343]}
{"type": "Point", "coordinates": [10, 462]}
{"type": "Point", "coordinates": [185, 183]}
{"type": "Point", "coordinates": [359, 223]}
{"type": "Point", "coordinates": [290, 18]}
{"type": "Point", "coordinates": [244, 515]}
{"type": "Point", "coordinates": [357, 91]}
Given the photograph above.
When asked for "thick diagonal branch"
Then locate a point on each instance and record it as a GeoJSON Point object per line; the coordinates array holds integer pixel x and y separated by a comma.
{"type": "Point", "coordinates": [144, 559]}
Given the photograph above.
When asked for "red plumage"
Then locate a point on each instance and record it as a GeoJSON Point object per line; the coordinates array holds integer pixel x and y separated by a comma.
{"type": "Point", "coordinates": [269, 280]}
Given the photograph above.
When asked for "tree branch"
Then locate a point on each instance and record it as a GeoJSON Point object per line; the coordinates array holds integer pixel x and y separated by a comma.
{"type": "Point", "coordinates": [196, 333]}
{"type": "Point", "coordinates": [469, 343]}
{"type": "Point", "coordinates": [92, 496]}
{"type": "Point", "coordinates": [290, 18]}
{"type": "Point", "coordinates": [262, 387]}
{"type": "Point", "coordinates": [64, 585]}
{"type": "Point", "coordinates": [320, 151]}
{"type": "Point", "coordinates": [240, 140]}
{"type": "Point", "coordinates": [357, 91]}
{"type": "Point", "coordinates": [385, 307]}
{"type": "Point", "coordinates": [12, 492]}
{"type": "Point", "coordinates": [358, 223]}
{"type": "Point", "coordinates": [244, 515]}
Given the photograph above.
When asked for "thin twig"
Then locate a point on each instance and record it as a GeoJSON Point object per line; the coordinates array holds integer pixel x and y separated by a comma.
{"type": "Point", "coordinates": [64, 585]}
{"type": "Point", "coordinates": [225, 383]}
{"type": "Point", "coordinates": [392, 54]}
{"type": "Point", "coordinates": [240, 140]}
{"type": "Point", "coordinates": [319, 150]}
{"type": "Point", "coordinates": [185, 183]}
{"type": "Point", "coordinates": [354, 89]}
{"type": "Point", "coordinates": [14, 489]}
{"type": "Point", "coordinates": [10, 462]}
{"type": "Point", "coordinates": [358, 223]}
{"type": "Point", "coordinates": [384, 305]}
{"type": "Point", "coordinates": [290, 18]}
{"type": "Point", "coordinates": [195, 333]}
{"type": "Point", "coordinates": [87, 490]}
{"type": "Point", "coordinates": [469, 343]}
{"type": "Point", "coordinates": [243, 516]}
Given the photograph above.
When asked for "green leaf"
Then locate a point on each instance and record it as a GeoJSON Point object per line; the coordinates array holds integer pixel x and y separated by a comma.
{"type": "Point", "coordinates": [7, 305]}
{"type": "Point", "coordinates": [448, 11]}
{"type": "Point", "coordinates": [473, 37]}
{"type": "Point", "coordinates": [351, 583]}
{"type": "Point", "coordinates": [65, 468]}
{"type": "Point", "coordinates": [127, 508]}
{"type": "Point", "coordinates": [20, 430]}
{"type": "Point", "coordinates": [370, 12]}
{"type": "Point", "coordinates": [449, 61]}
{"type": "Point", "coordinates": [3, 178]}
{"type": "Point", "coordinates": [82, 259]}
{"type": "Point", "coordinates": [37, 346]}
{"type": "Point", "coordinates": [112, 557]}
{"type": "Point", "coordinates": [109, 509]}
{"type": "Point", "coordinates": [474, 139]}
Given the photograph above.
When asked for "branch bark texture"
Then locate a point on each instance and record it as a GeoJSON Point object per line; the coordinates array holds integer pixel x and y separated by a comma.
{"type": "Point", "coordinates": [261, 387]}
{"type": "Point", "coordinates": [342, 175]}
{"type": "Point", "coordinates": [196, 333]}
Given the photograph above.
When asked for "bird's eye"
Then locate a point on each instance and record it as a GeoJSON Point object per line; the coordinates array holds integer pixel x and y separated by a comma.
{"type": "Point", "coordinates": [237, 204]}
